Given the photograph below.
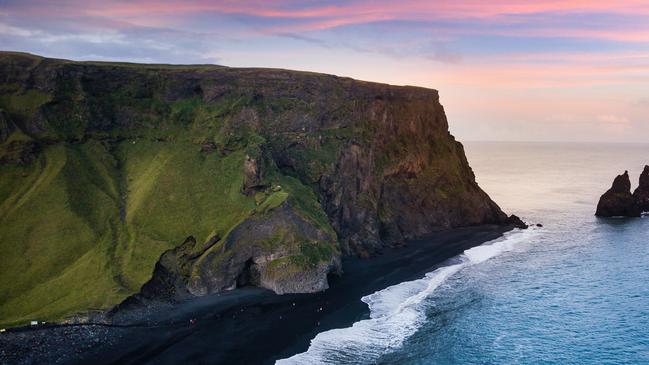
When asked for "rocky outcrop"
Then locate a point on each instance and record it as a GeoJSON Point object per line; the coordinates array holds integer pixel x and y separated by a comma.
{"type": "Point", "coordinates": [641, 194]}
{"type": "Point", "coordinates": [379, 157]}
{"type": "Point", "coordinates": [171, 272]}
{"type": "Point", "coordinates": [20, 152]}
{"type": "Point", "coordinates": [277, 249]}
{"type": "Point", "coordinates": [294, 169]}
{"type": "Point", "coordinates": [253, 178]}
{"type": "Point", "coordinates": [618, 200]}
{"type": "Point", "coordinates": [6, 126]}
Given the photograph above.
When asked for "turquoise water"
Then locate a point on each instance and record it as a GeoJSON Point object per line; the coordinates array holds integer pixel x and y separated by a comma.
{"type": "Point", "coordinates": [573, 292]}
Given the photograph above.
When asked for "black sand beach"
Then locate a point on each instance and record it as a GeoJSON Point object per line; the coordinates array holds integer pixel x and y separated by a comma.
{"type": "Point", "coordinates": [244, 326]}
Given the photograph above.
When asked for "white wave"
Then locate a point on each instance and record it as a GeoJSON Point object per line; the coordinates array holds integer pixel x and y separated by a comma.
{"type": "Point", "coordinates": [395, 312]}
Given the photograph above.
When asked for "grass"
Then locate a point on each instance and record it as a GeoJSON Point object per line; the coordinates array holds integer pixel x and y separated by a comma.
{"type": "Point", "coordinates": [312, 253]}
{"type": "Point", "coordinates": [23, 104]}
{"type": "Point", "coordinates": [46, 236]}
{"type": "Point", "coordinates": [83, 225]}
{"type": "Point", "coordinates": [306, 203]}
{"type": "Point", "coordinates": [273, 201]}
{"type": "Point", "coordinates": [61, 215]}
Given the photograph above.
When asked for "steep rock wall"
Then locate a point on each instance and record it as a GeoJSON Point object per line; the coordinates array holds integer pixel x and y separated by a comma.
{"type": "Point", "coordinates": [367, 165]}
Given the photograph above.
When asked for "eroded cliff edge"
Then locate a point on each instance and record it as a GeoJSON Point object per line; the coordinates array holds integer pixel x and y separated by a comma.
{"type": "Point", "coordinates": [267, 176]}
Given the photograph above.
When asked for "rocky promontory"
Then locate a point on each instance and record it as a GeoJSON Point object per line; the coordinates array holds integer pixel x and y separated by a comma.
{"type": "Point", "coordinates": [178, 180]}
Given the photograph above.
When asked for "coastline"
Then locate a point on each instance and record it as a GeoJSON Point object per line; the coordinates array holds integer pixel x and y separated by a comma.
{"type": "Point", "coordinates": [247, 325]}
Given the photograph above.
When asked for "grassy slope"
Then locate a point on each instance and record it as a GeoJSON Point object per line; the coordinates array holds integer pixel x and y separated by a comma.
{"type": "Point", "coordinates": [83, 225]}
{"type": "Point", "coordinates": [63, 241]}
{"type": "Point", "coordinates": [56, 234]}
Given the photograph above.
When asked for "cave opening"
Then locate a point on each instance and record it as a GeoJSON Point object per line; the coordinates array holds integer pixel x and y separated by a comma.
{"type": "Point", "coordinates": [249, 276]}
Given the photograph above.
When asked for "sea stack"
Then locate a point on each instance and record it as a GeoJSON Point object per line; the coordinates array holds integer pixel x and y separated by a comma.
{"type": "Point", "coordinates": [641, 194]}
{"type": "Point", "coordinates": [618, 200]}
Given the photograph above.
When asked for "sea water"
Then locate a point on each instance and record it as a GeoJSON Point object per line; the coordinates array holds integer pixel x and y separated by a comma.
{"type": "Point", "coordinates": [575, 291]}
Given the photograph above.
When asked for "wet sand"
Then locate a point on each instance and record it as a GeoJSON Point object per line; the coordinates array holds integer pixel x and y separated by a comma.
{"type": "Point", "coordinates": [243, 326]}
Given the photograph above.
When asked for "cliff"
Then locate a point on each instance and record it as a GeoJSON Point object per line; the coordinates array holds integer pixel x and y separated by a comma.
{"type": "Point", "coordinates": [210, 177]}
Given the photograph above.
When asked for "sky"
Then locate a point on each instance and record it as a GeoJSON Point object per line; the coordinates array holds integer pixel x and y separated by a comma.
{"type": "Point", "coordinates": [506, 70]}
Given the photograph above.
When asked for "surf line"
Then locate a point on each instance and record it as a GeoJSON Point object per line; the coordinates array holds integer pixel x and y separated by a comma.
{"type": "Point", "coordinates": [396, 312]}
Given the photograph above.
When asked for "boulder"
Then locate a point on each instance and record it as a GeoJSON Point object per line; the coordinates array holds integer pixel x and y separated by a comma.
{"type": "Point", "coordinates": [253, 181]}
{"type": "Point", "coordinates": [618, 200]}
{"type": "Point", "coordinates": [516, 222]}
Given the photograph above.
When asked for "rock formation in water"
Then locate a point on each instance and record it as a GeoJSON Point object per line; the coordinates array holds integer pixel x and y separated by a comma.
{"type": "Point", "coordinates": [211, 177]}
{"type": "Point", "coordinates": [618, 200]}
{"type": "Point", "coordinates": [641, 194]}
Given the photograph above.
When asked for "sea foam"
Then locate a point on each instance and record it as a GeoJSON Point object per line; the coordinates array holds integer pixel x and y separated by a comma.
{"type": "Point", "coordinates": [395, 312]}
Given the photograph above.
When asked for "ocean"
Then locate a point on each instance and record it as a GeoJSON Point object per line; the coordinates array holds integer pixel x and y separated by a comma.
{"type": "Point", "coordinates": [571, 292]}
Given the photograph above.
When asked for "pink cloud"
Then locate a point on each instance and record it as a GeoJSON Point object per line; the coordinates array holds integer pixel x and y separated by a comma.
{"type": "Point", "coordinates": [318, 17]}
{"type": "Point", "coordinates": [407, 9]}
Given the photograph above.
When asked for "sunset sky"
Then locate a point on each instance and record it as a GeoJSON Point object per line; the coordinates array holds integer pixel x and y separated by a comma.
{"type": "Point", "coordinates": [564, 70]}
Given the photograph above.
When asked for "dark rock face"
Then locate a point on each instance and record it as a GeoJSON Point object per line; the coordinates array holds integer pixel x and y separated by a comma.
{"type": "Point", "coordinates": [515, 221]}
{"type": "Point", "coordinates": [19, 152]}
{"type": "Point", "coordinates": [618, 200]}
{"type": "Point", "coordinates": [253, 177]}
{"type": "Point", "coordinates": [641, 194]}
{"type": "Point", "coordinates": [6, 126]}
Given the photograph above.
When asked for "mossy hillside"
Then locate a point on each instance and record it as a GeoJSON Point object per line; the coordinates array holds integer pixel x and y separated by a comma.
{"type": "Point", "coordinates": [23, 103]}
{"type": "Point", "coordinates": [174, 191]}
{"type": "Point", "coordinates": [168, 131]}
{"type": "Point", "coordinates": [274, 200]}
{"type": "Point", "coordinates": [155, 175]}
{"type": "Point", "coordinates": [298, 190]}
{"type": "Point", "coordinates": [306, 203]}
{"type": "Point", "coordinates": [96, 216]}
{"type": "Point", "coordinates": [302, 253]}
{"type": "Point", "coordinates": [56, 235]}
{"type": "Point", "coordinates": [159, 192]}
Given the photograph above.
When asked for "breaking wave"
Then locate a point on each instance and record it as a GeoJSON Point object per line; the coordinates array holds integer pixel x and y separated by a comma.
{"type": "Point", "coordinates": [395, 312]}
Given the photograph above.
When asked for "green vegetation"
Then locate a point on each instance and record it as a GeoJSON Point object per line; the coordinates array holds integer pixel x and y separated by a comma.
{"type": "Point", "coordinates": [312, 253]}
{"type": "Point", "coordinates": [83, 206]}
{"type": "Point", "coordinates": [105, 166]}
{"type": "Point", "coordinates": [82, 227]}
{"type": "Point", "coordinates": [23, 104]}
{"type": "Point", "coordinates": [273, 201]}
{"type": "Point", "coordinates": [120, 177]}
{"type": "Point", "coordinates": [306, 203]}
{"type": "Point", "coordinates": [56, 234]}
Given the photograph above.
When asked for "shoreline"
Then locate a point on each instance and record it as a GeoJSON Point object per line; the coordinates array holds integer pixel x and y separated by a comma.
{"type": "Point", "coordinates": [246, 325]}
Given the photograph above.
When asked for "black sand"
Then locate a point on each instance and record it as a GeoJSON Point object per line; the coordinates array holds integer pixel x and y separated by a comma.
{"type": "Point", "coordinates": [244, 326]}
